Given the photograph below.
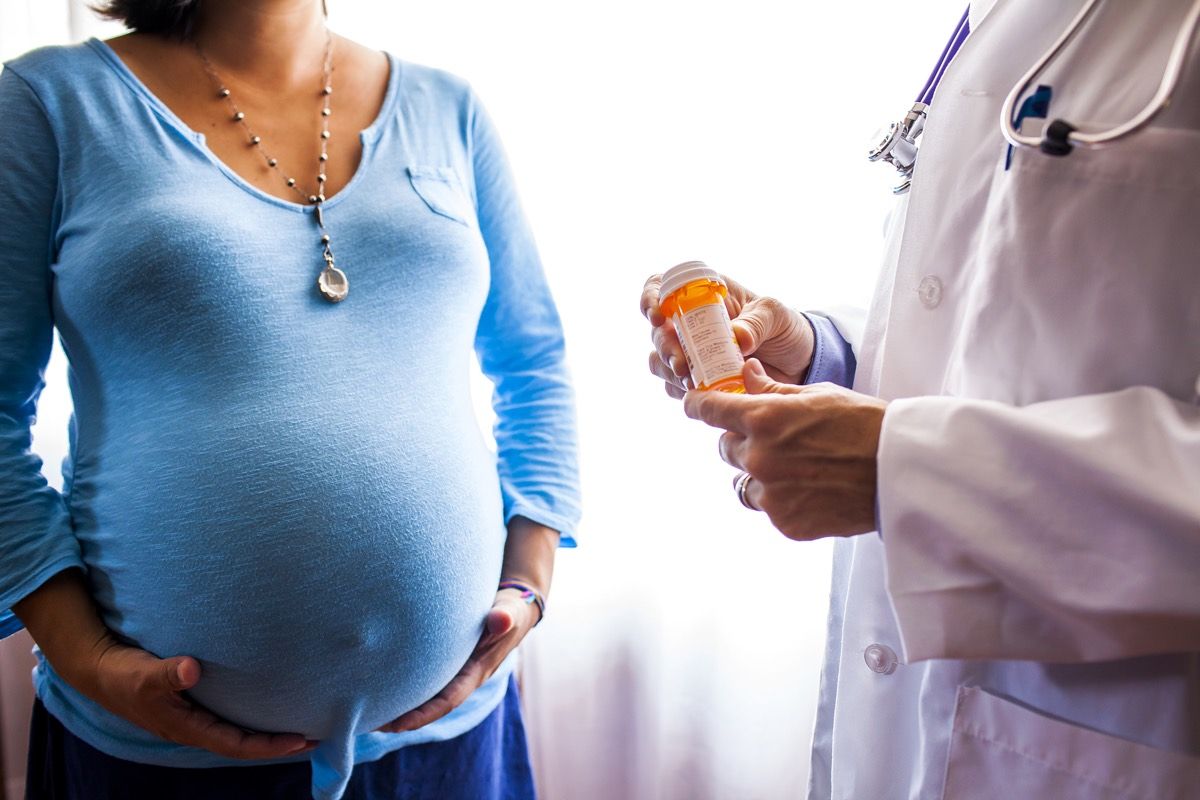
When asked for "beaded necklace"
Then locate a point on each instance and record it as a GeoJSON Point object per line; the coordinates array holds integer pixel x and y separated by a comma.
{"type": "Point", "coordinates": [332, 283]}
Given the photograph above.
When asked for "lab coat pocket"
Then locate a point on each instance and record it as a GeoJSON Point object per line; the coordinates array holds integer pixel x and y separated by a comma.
{"type": "Point", "coordinates": [1000, 750]}
{"type": "Point", "coordinates": [443, 192]}
{"type": "Point", "coordinates": [1090, 260]}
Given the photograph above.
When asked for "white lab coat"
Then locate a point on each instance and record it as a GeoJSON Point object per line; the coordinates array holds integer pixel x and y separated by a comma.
{"type": "Point", "coordinates": [1027, 624]}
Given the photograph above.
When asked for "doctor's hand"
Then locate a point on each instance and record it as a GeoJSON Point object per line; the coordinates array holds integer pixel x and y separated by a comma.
{"type": "Point", "coordinates": [778, 336]}
{"type": "Point", "coordinates": [810, 451]}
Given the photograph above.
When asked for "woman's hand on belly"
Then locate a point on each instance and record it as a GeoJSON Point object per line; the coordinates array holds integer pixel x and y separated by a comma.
{"type": "Point", "coordinates": [133, 683]}
{"type": "Point", "coordinates": [507, 623]}
{"type": "Point", "coordinates": [528, 559]}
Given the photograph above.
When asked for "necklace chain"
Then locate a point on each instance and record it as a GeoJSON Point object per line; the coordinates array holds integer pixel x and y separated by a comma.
{"type": "Point", "coordinates": [332, 281]}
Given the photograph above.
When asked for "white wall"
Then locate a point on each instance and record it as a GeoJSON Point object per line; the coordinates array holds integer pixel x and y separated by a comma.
{"type": "Point", "coordinates": [681, 656]}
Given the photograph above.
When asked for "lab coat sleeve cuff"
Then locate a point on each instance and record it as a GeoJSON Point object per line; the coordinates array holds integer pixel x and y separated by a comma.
{"type": "Point", "coordinates": [935, 607]}
{"type": "Point", "coordinates": [1008, 529]}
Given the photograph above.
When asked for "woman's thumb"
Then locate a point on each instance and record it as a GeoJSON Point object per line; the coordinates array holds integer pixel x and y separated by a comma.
{"type": "Point", "coordinates": [179, 673]}
{"type": "Point", "coordinates": [499, 621]}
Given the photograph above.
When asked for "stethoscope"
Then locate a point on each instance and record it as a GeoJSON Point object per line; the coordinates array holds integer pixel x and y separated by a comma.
{"type": "Point", "coordinates": [898, 143]}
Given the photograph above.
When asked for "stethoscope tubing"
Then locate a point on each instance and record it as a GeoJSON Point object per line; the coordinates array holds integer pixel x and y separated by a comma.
{"type": "Point", "coordinates": [948, 52]}
{"type": "Point", "coordinates": [1162, 97]}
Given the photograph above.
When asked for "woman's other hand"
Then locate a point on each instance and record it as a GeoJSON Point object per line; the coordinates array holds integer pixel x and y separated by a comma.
{"type": "Point", "coordinates": [528, 560]}
{"type": "Point", "coordinates": [765, 328]}
{"type": "Point", "coordinates": [506, 625]}
{"type": "Point", "coordinates": [131, 682]}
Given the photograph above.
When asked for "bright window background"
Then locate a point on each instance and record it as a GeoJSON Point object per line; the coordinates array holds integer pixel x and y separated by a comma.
{"type": "Point", "coordinates": [681, 656]}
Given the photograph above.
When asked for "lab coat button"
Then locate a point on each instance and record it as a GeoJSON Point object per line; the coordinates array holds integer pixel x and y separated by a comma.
{"type": "Point", "coordinates": [930, 291]}
{"type": "Point", "coordinates": [881, 659]}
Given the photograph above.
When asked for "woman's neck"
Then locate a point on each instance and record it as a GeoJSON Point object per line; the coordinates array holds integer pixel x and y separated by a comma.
{"type": "Point", "coordinates": [276, 43]}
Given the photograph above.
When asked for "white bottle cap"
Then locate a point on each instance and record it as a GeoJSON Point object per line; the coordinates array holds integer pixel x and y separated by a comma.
{"type": "Point", "coordinates": [682, 274]}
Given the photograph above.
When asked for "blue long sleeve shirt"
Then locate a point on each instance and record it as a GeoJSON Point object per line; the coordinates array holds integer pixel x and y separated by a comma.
{"type": "Point", "coordinates": [294, 492]}
{"type": "Point", "coordinates": [833, 359]}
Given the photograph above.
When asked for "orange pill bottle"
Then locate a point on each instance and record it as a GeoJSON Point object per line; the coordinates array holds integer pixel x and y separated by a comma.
{"type": "Point", "coordinates": [692, 296]}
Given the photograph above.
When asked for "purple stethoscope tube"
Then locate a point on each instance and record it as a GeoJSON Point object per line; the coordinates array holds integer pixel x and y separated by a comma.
{"type": "Point", "coordinates": [961, 31]}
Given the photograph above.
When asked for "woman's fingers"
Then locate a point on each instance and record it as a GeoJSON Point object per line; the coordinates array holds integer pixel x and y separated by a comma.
{"type": "Point", "coordinates": [147, 691]}
{"type": "Point", "coordinates": [188, 724]}
{"type": "Point", "coordinates": [469, 678]}
{"type": "Point", "coordinates": [456, 692]}
{"type": "Point", "coordinates": [505, 626]}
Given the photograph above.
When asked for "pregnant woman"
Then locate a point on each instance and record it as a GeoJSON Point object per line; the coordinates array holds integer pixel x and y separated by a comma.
{"type": "Point", "coordinates": [283, 547]}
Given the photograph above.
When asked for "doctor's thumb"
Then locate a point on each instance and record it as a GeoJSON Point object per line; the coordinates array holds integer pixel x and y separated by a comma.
{"type": "Point", "coordinates": [758, 321]}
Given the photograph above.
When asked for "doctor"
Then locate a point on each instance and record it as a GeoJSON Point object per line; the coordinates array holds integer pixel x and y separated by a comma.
{"type": "Point", "coordinates": [1022, 432]}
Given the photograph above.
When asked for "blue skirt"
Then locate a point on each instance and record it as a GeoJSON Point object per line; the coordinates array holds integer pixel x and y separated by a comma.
{"type": "Point", "coordinates": [488, 762]}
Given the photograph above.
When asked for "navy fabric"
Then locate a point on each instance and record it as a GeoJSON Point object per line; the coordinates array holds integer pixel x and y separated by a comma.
{"type": "Point", "coordinates": [488, 762]}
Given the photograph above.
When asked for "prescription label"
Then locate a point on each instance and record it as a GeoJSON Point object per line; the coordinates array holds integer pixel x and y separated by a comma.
{"type": "Point", "coordinates": [712, 352]}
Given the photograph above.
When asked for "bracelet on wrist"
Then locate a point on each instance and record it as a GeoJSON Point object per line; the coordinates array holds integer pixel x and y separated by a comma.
{"type": "Point", "coordinates": [530, 595]}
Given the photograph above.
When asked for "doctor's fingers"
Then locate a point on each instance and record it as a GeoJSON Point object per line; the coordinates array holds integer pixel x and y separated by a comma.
{"type": "Point", "coordinates": [649, 303]}
{"type": "Point", "coordinates": [758, 320]}
{"type": "Point", "coordinates": [732, 412]}
{"type": "Point", "coordinates": [737, 296]}
{"type": "Point", "coordinates": [779, 336]}
{"type": "Point", "coordinates": [732, 447]}
{"type": "Point", "coordinates": [674, 385]}
{"type": "Point", "coordinates": [666, 344]}
{"type": "Point", "coordinates": [765, 464]}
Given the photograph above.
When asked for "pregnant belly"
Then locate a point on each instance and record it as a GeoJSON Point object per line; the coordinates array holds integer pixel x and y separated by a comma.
{"type": "Point", "coordinates": [322, 608]}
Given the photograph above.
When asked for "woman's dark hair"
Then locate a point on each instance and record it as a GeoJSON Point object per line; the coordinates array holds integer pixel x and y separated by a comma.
{"type": "Point", "coordinates": [170, 17]}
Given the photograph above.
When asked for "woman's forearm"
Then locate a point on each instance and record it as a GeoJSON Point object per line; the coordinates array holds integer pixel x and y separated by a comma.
{"type": "Point", "coordinates": [529, 554]}
{"type": "Point", "coordinates": [63, 620]}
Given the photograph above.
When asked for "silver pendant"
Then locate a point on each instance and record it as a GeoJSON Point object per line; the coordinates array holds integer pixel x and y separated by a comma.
{"type": "Point", "coordinates": [333, 283]}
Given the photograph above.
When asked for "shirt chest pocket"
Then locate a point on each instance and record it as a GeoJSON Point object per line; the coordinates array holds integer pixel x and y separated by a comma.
{"type": "Point", "coordinates": [443, 191]}
{"type": "Point", "coordinates": [1000, 750]}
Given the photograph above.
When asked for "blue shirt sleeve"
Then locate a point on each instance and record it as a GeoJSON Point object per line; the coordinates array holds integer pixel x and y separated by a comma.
{"type": "Point", "coordinates": [833, 359]}
{"type": "Point", "coordinates": [521, 349]}
{"type": "Point", "coordinates": [36, 540]}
